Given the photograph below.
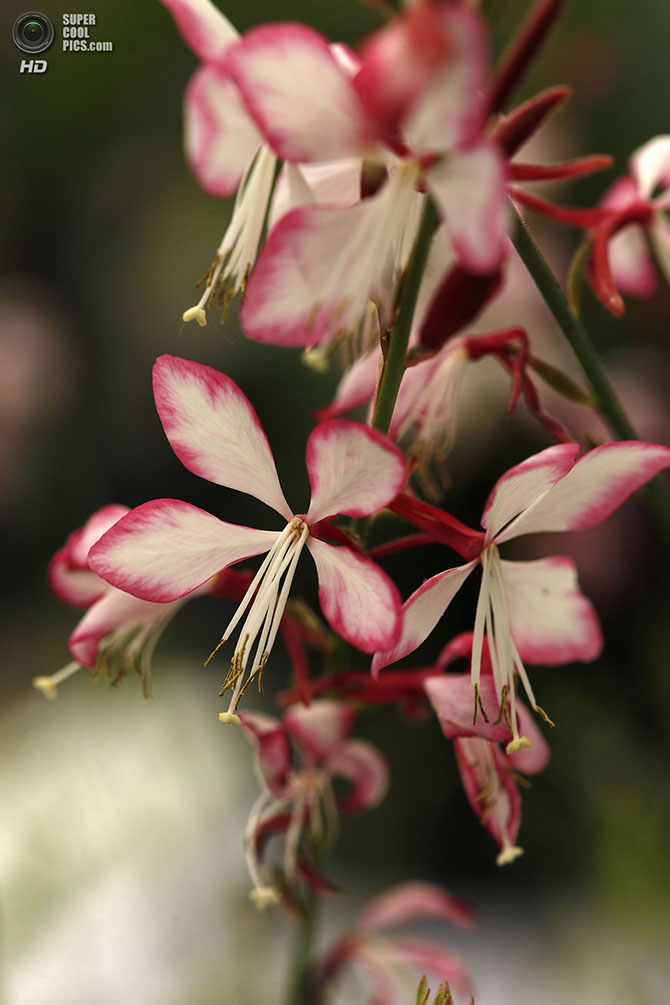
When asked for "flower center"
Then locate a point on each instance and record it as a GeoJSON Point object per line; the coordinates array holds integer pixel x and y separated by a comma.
{"type": "Point", "coordinates": [264, 604]}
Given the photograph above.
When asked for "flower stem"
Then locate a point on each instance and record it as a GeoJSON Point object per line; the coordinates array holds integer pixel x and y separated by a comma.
{"type": "Point", "coordinates": [607, 402]}
{"type": "Point", "coordinates": [398, 339]}
{"type": "Point", "coordinates": [299, 984]}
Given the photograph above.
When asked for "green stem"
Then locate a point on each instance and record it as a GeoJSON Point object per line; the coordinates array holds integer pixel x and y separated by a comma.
{"type": "Point", "coordinates": [396, 347]}
{"type": "Point", "coordinates": [299, 991]}
{"type": "Point", "coordinates": [606, 398]}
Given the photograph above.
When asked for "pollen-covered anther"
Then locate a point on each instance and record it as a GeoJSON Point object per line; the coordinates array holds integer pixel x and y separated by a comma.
{"type": "Point", "coordinates": [229, 718]}
{"type": "Point", "coordinates": [196, 313]}
{"type": "Point", "coordinates": [518, 743]}
{"type": "Point", "coordinates": [264, 897]}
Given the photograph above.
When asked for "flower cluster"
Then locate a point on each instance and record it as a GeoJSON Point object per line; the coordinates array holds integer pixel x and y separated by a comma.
{"type": "Point", "coordinates": [371, 213]}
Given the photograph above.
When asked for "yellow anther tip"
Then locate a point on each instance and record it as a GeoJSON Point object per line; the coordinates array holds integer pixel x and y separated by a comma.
{"type": "Point", "coordinates": [195, 314]}
{"type": "Point", "coordinates": [229, 718]}
{"type": "Point", "coordinates": [316, 360]}
{"type": "Point", "coordinates": [515, 745]}
{"type": "Point", "coordinates": [264, 897]}
{"type": "Point", "coordinates": [46, 686]}
{"type": "Point", "coordinates": [509, 854]}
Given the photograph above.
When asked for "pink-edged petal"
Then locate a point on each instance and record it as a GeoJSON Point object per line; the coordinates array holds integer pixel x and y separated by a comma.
{"type": "Point", "coordinates": [425, 957]}
{"type": "Point", "coordinates": [630, 262]}
{"type": "Point", "coordinates": [202, 26]}
{"type": "Point", "coordinates": [523, 485]}
{"type": "Point", "coordinates": [650, 165]}
{"type": "Point", "coordinates": [469, 190]}
{"type": "Point", "coordinates": [356, 597]}
{"type": "Point", "coordinates": [273, 750]}
{"type": "Point", "coordinates": [598, 484]}
{"type": "Point", "coordinates": [214, 430]}
{"type": "Point", "coordinates": [298, 93]}
{"type": "Point", "coordinates": [533, 759]}
{"type": "Point", "coordinates": [319, 729]}
{"type": "Point", "coordinates": [167, 548]}
{"type": "Point", "coordinates": [357, 386]}
{"type": "Point", "coordinates": [362, 765]}
{"type": "Point", "coordinates": [115, 610]}
{"type": "Point", "coordinates": [68, 573]}
{"type": "Point", "coordinates": [423, 74]}
{"type": "Point", "coordinates": [550, 619]}
{"type": "Point", "coordinates": [491, 792]}
{"type": "Point", "coordinates": [659, 232]}
{"type": "Point", "coordinates": [422, 612]}
{"type": "Point", "coordinates": [412, 902]}
{"type": "Point", "coordinates": [452, 698]}
{"type": "Point", "coordinates": [353, 470]}
{"type": "Point", "coordinates": [220, 137]}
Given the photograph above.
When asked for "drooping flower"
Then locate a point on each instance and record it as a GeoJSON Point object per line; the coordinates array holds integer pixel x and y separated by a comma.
{"type": "Point", "coordinates": [224, 148]}
{"type": "Point", "coordinates": [322, 264]}
{"type": "Point", "coordinates": [298, 801]}
{"type": "Point", "coordinates": [119, 632]}
{"type": "Point", "coordinates": [386, 959]}
{"type": "Point", "coordinates": [527, 611]}
{"type": "Point", "coordinates": [166, 549]}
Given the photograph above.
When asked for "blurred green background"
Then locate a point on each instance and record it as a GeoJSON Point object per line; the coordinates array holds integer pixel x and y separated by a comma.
{"type": "Point", "coordinates": [122, 870]}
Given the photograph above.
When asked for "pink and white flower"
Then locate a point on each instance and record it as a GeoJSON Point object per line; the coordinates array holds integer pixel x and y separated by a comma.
{"type": "Point", "coordinates": [165, 549]}
{"type": "Point", "coordinates": [420, 78]}
{"type": "Point", "coordinates": [118, 632]}
{"type": "Point", "coordinates": [224, 148]}
{"type": "Point", "coordinates": [385, 958]}
{"type": "Point", "coordinates": [298, 800]}
{"type": "Point", "coordinates": [639, 203]}
{"type": "Point", "coordinates": [527, 611]}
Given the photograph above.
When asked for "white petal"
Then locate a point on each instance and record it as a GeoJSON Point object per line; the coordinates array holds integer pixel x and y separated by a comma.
{"type": "Point", "coordinates": [523, 485]}
{"type": "Point", "coordinates": [598, 484]}
{"type": "Point", "coordinates": [202, 26]}
{"type": "Point", "coordinates": [167, 548]}
{"type": "Point", "coordinates": [357, 598]}
{"type": "Point", "coordinates": [353, 470]}
{"type": "Point", "coordinates": [550, 619]}
{"type": "Point", "coordinates": [320, 728]}
{"type": "Point", "coordinates": [422, 612]}
{"type": "Point", "coordinates": [650, 165]}
{"type": "Point", "coordinates": [214, 431]}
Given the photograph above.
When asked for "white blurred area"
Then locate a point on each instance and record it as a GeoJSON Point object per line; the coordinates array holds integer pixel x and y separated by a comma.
{"type": "Point", "coordinates": [122, 872]}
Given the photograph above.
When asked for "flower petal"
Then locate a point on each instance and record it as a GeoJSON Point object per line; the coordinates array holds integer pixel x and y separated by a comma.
{"type": "Point", "coordinates": [68, 573]}
{"type": "Point", "coordinates": [165, 549]}
{"type": "Point", "coordinates": [650, 165]}
{"type": "Point", "coordinates": [529, 760]}
{"type": "Point", "coordinates": [214, 431]}
{"type": "Point", "coordinates": [425, 957]}
{"type": "Point", "coordinates": [273, 750]}
{"type": "Point", "coordinates": [523, 484]}
{"type": "Point", "coordinates": [357, 598]}
{"type": "Point", "coordinates": [353, 470]}
{"type": "Point", "coordinates": [630, 262]}
{"type": "Point", "coordinates": [221, 139]}
{"type": "Point", "coordinates": [550, 619]}
{"type": "Point", "coordinates": [598, 484]}
{"type": "Point", "coordinates": [469, 189]}
{"type": "Point", "coordinates": [319, 729]}
{"type": "Point", "coordinates": [272, 65]}
{"type": "Point", "coordinates": [491, 792]}
{"type": "Point", "coordinates": [452, 698]}
{"type": "Point", "coordinates": [202, 26]}
{"type": "Point", "coordinates": [422, 612]}
{"type": "Point", "coordinates": [362, 765]}
{"type": "Point", "coordinates": [415, 901]}
{"type": "Point", "coordinates": [357, 386]}
{"type": "Point", "coordinates": [115, 609]}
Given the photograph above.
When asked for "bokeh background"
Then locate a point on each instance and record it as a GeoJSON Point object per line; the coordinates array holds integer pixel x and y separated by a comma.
{"type": "Point", "coordinates": [121, 867]}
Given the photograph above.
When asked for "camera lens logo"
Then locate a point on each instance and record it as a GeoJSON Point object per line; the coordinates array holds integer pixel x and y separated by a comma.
{"type": "Point", "coordinates": [33, 32]}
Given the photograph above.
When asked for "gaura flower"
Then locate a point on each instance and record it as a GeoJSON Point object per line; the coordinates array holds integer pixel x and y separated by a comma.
{"type": "Point", "coordinates": [414, 110]}
{"type": "Point", "coordinates": [118, 632]}
{"type": "Point", "coordinates": [385, 958]}
{"type": "Point", "coordinates": [166, 549]}
{"type": "Point", "coordinates": [527, 611]}
{"type": "Point", "coordinates": [298, 800]}
{"type": "Point", "coordinates": [224, 148]}
{"type": "Point", "coordinates": [490, 776]}
{"type": "Point", "coordinates": [639, 204]}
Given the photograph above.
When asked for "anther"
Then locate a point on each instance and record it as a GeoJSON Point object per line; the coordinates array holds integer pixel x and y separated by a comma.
{"type": "Point", "coordinates": [544, 716]}
{"type": "Point", "coordinates": [478, 707]}
{"type": "Point", "coordinates": [517, 744]}
{"type": "Point", "coordinates": [509, 854]}
{"type": "Point", "coordinates": [195, 314]}
{"type": "Point", "coordinates": [229, 719]}
{"type": "Point", "coordinates": [264, 896]}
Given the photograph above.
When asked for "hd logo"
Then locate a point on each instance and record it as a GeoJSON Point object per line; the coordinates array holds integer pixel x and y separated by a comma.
{"type": "Point", "coordinates": [33, 66]}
